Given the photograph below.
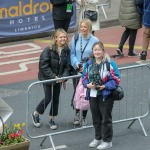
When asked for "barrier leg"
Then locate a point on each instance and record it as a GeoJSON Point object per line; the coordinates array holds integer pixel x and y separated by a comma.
{"type": "Point", "coordinates": [131, 123]}
{"type": "Point", "coordinates": [139, 119]}
{"type": "Point", "coordinates": [43, 141]}
{"type": "Point", "coordinates": [52, 142]}
{"type": "Point", "coordinates": [104, 12]}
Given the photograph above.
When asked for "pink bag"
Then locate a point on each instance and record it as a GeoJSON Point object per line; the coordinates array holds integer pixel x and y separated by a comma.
{"type": "Point", "coordinates": [79, 99]}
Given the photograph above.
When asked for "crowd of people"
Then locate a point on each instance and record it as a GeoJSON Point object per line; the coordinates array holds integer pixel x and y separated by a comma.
{"type": "Point", "coordinates": [85, 54]}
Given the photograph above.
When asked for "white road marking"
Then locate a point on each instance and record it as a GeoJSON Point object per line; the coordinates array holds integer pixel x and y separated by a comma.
{"type": "Point", "coordinates": [33, 48]}
{"type": "Point", "coordinates": [57, 147]}
{"type": "Point", "coordinates": [22, 68]}
{"type": "Point", "coordinates": [147, 61]}
{"type": "Point", "coordinates": [16, 61]}
{"type": "Point", "coordinates": [23, 62]}
{"type": "Point", "coordinates": [12, 55]}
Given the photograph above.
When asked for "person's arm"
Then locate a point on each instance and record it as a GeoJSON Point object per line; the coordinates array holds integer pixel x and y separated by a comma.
{"type": "Point", "coordinates": [114, 78]}
{"type": "Point", "coordinates": [67, 66]}
{"type": "Point", "coordinates": [44, 65]}
{"type": "Point", "coordinates": [74, 59]}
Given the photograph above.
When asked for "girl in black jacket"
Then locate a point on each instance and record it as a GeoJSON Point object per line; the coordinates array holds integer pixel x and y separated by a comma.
{"type": "Point", "coordinates": [62, 13]}
{"type": "Point", "coordinates": [54, 63]}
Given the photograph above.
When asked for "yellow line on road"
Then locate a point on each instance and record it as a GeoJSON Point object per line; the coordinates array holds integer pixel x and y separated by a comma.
{"type": "Point", "coordinates": [43, 41]}
{"type": "Point", "coordinates": [125, 46]}
{"type": "Point", "coordinates": [106, 45]}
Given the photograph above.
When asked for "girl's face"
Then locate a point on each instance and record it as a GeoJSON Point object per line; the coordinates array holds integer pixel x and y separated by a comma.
{"type": "Point", "coordinates": [61, 39]}
{"type": "Point", "coordinates": [97, 51]}
{"type": "Point", "coordinates": [84, 29]}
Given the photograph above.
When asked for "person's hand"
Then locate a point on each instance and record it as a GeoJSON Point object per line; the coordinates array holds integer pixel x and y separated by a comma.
{"type": "Point", "coordinates": [59, 81]}
{"type": "Point", "coordinates": [79, 67]}
{"type": "Point", "coordinates": [64, 85]}
{"type": "Point", "coordinates": [101, 87]}
{"type": "Point", "coordinates": [91, 85]}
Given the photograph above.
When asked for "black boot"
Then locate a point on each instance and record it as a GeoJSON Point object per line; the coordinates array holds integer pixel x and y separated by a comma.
{"type": "Point", "coordinates": [119, 49]}
{"type": "Point", "coordinates": [132, 53]}
{"type": "Point", "coordinates": [143, 55]}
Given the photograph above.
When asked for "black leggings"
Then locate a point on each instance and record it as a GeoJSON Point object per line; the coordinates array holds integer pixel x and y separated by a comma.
{"type": "Point", "coordinates": [131, 34]}
{"type": "Point", "coordinates": [48, 98]}
{"type": "Point", "coordinates": [64, 24]}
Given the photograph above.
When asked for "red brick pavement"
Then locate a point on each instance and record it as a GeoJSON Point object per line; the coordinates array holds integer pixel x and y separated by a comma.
{"type": "Point", "coordinates": [109, 36]}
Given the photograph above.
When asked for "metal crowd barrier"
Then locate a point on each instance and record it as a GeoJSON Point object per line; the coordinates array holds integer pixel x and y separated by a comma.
{"type": "Point", "coordinates": [102, 5]}
{"type": "Point", "coordinates": [134, 106]}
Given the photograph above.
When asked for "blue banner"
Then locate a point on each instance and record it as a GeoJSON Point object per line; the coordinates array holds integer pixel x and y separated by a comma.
{"type": "Point", "coordinates": [25, 17]}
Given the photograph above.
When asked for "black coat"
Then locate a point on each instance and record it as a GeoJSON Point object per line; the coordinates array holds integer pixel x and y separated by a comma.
{"type": "Point", "coordinates": [51, 65]}
{"type": "Point", "coordinates": [59, 10]}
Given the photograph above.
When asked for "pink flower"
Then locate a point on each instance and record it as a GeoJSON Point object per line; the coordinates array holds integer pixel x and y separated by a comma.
{"type": "Point", "coordinates": [11, 135]}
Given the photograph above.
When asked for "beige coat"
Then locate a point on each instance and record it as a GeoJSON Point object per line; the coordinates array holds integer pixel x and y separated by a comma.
{"type": "Point", "coordinates": [129, 16]}
{"type": "Point", "coordinates": [89, 5]}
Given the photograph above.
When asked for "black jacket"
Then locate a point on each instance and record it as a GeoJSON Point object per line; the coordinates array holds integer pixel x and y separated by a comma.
{"type": "Point", "coordinates": [51, 65]}
{"type": "Point", "coordinates": [59, 10]}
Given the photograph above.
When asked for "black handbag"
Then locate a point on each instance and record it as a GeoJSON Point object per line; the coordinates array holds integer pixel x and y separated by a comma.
{"type": "Point", "coordinates": [118, 94]}
{"type": "Point", "coordinates": [92, 15]}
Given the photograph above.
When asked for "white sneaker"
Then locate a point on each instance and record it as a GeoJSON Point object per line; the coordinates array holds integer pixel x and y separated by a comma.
{"type": "Point", "coordinates": [52, 124]}
{"type": "Point", "coordinates": [36, 120]}
{"type": "Point", "coordinates": [77, 119]}
{"type": "Point", "coordinates": [84, 122]}
{"type": "Point", "coordinates": [119, 51]}
{"type": "Point", "coordinates": [104, 145]}
{"type": "Point", "coordinates": [95, 143]}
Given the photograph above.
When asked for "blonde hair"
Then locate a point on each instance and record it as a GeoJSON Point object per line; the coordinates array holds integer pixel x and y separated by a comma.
{"type": "Point", "coordinates": [56, 34]}
{"type": "Point", "coordinates": [88, 23]}
{"type": "Point", "coordinates": [105, 54]}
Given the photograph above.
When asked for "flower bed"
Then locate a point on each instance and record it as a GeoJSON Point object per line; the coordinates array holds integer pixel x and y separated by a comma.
{"type": "Point", "coordinates": [13, 139]}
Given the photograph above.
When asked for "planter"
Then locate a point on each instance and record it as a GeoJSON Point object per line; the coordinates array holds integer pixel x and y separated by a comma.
{"type": "Point", "coordinates": [19, 146]}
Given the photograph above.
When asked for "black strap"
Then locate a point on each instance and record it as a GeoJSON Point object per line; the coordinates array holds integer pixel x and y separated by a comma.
{"type": "Point", "coordinates": [82, 51]}
{"type": "Point", "coordinates": [108, 66]}
{"type": "Point", "coordinates": [96, 71]}
{"type": "Point", "coordinates": [76, 36]}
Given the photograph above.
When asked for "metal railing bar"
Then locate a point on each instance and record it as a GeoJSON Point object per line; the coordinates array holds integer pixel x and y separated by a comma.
{"type": "Point", "coordinates": [133, 119]}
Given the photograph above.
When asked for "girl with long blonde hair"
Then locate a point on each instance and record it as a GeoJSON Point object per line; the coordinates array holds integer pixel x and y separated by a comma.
{"type": "Point", "coordinates": [54, 63]}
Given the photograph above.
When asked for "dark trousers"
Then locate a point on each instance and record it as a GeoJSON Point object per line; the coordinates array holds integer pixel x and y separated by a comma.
{"type": "Point", "coordinates": [131, 34]}
{"type": "Point", "coordinates": [102, 117]}
{"type": "Point", "coordinates": [48, 98]}
{"type": "Point", "coordinates": [64, 24]}
{"type": "Point", "coordinates": [146, 39]}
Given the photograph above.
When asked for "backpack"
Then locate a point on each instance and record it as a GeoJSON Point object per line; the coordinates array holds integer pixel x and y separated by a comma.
{"type": "Point", "coordinates": [80, 101]}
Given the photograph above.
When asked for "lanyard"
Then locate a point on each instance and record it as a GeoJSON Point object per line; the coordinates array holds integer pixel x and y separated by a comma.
{"type": "Point", "coordinates": [96, 68]}
{"type": "Point", "coordinates": [82, 50]}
